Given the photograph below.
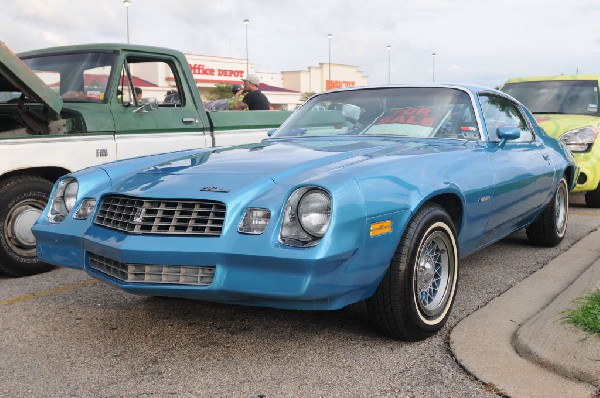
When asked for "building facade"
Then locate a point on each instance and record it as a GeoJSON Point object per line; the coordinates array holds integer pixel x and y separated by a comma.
{"type": "Point", "coordinates": [323, 77]}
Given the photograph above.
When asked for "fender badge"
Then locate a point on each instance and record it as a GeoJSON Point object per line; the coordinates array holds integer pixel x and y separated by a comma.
{"type": "Point", "coordinates": [214, 189]}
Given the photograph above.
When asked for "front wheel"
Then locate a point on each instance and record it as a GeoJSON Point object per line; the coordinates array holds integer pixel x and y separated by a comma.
{"type": "Point", "coordinates": [550, 227]}
{"type": "Point", "coordinates": [414, 299]}
{"type": "Point", "coordinates": [22, 200]}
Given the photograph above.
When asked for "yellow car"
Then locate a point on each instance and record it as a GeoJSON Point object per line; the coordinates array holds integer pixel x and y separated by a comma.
{"type": "Point", "coordinates": [567, 108]}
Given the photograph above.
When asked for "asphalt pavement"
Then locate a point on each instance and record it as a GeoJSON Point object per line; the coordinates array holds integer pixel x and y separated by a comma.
{"type": "Point", "coordinates": [65, 334]}
{"type": "Point", "coordinates": [519, 343]}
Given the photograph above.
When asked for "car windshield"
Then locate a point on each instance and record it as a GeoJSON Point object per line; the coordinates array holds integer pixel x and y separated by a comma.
{"type": "Point", "coordinates": [426, 112]}
{"type": "Point", "coordinates": [574, 97]}
{"type": "Point", "coordinates": [78, 77]}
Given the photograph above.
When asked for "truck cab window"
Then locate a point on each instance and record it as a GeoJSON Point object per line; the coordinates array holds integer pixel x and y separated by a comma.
{"type": "Point", "coordinates": [141, 82]}
{"type": "Point", "coordinates": [77, 77]}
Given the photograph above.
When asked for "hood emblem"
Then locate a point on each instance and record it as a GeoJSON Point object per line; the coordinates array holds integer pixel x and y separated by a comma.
{"type": "Point", "coordinates": [214, 189]}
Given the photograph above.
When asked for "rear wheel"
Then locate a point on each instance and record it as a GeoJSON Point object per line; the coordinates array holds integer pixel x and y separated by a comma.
{"type": "Point", "coordinates": [550, 227]}
{"type": "Point", "coordinates": [414, 299]}
{"type": "Point", "coordinates": [22, 200]}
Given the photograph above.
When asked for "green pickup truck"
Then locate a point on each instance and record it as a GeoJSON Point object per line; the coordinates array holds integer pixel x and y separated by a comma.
{"type": "Point", "coordinates": [66, 108]}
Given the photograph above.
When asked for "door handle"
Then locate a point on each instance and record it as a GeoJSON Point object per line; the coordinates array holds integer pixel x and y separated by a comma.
{"type": "Point", "coordinates": [189, 120]}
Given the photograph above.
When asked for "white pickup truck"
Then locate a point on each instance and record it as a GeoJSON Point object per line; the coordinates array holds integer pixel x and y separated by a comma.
{"type": "Point", "coordinates": [66, 108]}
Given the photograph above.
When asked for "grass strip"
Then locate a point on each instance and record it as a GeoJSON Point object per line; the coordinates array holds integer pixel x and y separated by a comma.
{"type": "Point", "coordinates": [587, 314]}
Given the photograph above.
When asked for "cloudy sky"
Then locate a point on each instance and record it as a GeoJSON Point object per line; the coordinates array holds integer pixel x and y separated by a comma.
{"type": "Point", "coordinates": [475, 41]}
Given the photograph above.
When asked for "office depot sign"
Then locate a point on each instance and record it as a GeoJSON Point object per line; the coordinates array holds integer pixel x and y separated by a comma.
{"type": "Point", "coordinates": [329, 84]}
{"type": "Point", "coordinates": [202, 70]}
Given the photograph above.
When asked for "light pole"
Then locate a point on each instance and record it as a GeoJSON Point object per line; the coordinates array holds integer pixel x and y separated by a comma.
{"type": "Point", "coordinates": [433, 67]}
{"type": "Point", "coordinates": [389, 50]}
{"type": "Point", "coordinates": [329, 36]}
{"type": "Point", "coordinates": [126, 4]}
{"type": "Point", "coordinates": [246, 22]}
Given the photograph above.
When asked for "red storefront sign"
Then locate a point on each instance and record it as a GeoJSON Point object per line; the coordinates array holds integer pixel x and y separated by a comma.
{"type": "Point", "coordinates": [200, 69]}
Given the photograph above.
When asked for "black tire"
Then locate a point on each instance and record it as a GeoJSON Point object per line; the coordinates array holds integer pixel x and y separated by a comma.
{"type": "Point", "coordinates": [22, 200]}
{"type": "Point", "coordinates": [550, 227]}
{"type": "Point", "coordinates": [414, 299]}
{"type": "Point", "coordinates": [592, 198]}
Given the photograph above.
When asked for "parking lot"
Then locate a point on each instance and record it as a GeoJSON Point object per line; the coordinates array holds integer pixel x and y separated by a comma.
{"type": "Point", "coordinates": [65, 334]}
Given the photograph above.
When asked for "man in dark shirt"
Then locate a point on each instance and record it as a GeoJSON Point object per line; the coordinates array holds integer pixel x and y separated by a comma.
{"type": "Point", "coordinates": [254, 99]}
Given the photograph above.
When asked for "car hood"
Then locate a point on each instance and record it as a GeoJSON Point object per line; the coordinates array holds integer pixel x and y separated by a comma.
{"type": "Point", "coordinates": [556, 124]}
{"type": "Point", "coordinates": [15, 75]}
{"type": "Point", "coordinates": [234, 169]}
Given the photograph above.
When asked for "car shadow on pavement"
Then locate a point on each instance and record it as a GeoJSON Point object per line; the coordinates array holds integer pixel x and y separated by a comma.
{"type": "Point", "coordinates": [237, 319]}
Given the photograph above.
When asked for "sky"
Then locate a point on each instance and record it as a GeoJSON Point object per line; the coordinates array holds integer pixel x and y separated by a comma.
{"type": "Point", "coordinates": [475, 41]}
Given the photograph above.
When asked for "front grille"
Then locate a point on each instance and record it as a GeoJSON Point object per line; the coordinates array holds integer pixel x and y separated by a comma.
{"type": "Point", "coordinates": [146, 273]}
{"type": "Point", "coordinates": [168, 217]}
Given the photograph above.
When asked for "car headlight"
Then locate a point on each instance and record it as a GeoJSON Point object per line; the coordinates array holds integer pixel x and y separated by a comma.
{"type": "Point", "coordinates": [306, 217]}
{"type": "Point", "coordinates": [63, 200]}
{"type": "Point", "coordinates": [581, 139]}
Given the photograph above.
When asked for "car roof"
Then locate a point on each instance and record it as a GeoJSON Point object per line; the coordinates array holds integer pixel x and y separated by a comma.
{"type": "Point", "coordinates": [557, 77]}
{"type": "Point", "coordinates": [473, 88]}
{"type": "Point", "coordinates": [104, 47]}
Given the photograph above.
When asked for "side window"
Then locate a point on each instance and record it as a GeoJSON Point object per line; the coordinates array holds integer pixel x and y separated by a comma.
{"type": "Point", "coordinates": [501, 112]}
{"type": "Point", "coordinates": [142, 80]}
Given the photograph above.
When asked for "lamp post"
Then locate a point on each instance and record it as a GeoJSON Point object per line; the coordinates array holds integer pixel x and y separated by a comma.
{"type": "Point", "coordinates": [389, 50]}
{"type": "Point", "coordinates": [126, 4]}
{"type": "Point", "coordinates": [329, 36]}
{"type": "Point", "coordinates": [246, 22]}
{"type": "Point", "coordinates": [433, 67]}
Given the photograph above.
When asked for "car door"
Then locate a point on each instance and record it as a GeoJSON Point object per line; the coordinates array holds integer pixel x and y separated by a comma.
{"type": "Point", "coordinates": [521, 168]}
{"type": "Point", "coordinates": [167, 126]}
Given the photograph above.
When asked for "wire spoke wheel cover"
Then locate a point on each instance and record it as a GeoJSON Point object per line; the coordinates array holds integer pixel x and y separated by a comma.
{"type": "Point", "coordinates": [561, 205]}
{"type": "Point", "coordinates": [434, 273]}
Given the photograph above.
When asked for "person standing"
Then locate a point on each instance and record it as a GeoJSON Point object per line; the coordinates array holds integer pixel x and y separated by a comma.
{"type": "Point", "coordinates": [254, 99]}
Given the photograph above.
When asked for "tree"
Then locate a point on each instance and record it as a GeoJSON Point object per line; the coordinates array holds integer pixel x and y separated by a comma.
{"type": "Point", "coordinates": [306, 95]}
{"type": "Point", "coordinates": [220, 91]}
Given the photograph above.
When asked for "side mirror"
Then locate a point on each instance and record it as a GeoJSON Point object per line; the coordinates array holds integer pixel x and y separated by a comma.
{"type": "Point", "coordinates": [508, 134]}
{"type": "Point", "coordinates": [148, 104]}
{"type": "Point", "coordinates": [271, 132]}
{"type": "Point", "coordinates": [152, 101]}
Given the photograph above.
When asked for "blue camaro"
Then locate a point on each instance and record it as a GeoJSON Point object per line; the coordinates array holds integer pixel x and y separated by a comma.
{"type": "Point", "coordinates": [369, 193]}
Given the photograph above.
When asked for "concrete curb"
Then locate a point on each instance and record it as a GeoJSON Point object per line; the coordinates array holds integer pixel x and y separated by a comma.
{"type": "Point", "coordinates": [483, 341]}
{"type": "Point", "coordinates": [565, 349]}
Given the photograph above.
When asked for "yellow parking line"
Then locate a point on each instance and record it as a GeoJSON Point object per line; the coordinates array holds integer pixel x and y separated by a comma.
{"type": "Point", "coordinates": [584, 214]}
{"type": "Point", "coordinates": [50, 292]}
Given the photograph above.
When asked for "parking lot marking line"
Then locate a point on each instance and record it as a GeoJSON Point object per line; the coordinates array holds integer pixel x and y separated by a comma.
{"type": "Point", "coordinates": [584, 214]}
{"type": "Point", "coordinates": [50, 292]}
